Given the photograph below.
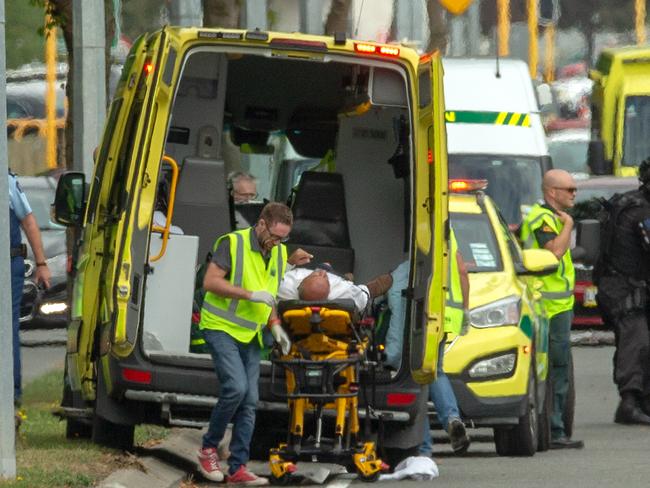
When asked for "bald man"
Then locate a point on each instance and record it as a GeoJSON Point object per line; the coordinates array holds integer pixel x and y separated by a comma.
{"type": "Point", "coordinates": [548, 226]}
{"type": "Point", "coordinates": [319, 284]}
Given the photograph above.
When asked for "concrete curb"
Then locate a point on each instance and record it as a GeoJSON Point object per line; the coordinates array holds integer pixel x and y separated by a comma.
{"type": "Point", "coordinates": [157, 473]}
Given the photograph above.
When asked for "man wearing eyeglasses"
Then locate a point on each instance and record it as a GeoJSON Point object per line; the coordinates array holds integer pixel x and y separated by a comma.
{"type": "Point", "coordinates": [241, 283]}
{"type": "Point", "coordinates": [548, 226]}
{"type": "Point", "coordinates": [243, 189]}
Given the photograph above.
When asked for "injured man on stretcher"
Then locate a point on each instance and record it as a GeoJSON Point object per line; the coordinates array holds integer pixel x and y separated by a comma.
{"type": "Point", "coordinates": [324, 284]}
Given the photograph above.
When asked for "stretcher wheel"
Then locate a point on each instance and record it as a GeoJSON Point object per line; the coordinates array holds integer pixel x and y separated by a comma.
{"type": "Point", "coordinates": [280, 481]}
{"type": "Point", "coordinates": [368, 478]}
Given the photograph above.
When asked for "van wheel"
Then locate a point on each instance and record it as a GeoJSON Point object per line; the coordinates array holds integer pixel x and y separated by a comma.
{"type": "Point", "coordinates": [76, 429]}
{"type": "Point", "coordinates": [521, 440]}
{"type": "Point", "coordinates": [109, 434]}
{"type": "Point", "coordinates": [544, 423]}
{"type": "Point", "coordinates": [568, 416]}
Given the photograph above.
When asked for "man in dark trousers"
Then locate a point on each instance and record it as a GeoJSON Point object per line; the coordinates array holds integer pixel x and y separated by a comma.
{"type": "Point", "coordinates": [241, 283]}
{"type": "Point", "coordinates": [623, 277]}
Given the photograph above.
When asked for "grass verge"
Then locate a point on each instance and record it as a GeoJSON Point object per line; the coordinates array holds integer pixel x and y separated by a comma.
{"type": "Point", "coordinates": [45, 458]}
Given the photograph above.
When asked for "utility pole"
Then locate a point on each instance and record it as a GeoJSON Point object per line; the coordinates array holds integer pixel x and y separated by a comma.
{"type": "Point", "coordinates": [255, 15]}
{"type": "Point", "coordinates": [474, 28]}
{"type": "Point", "coordinates": [311, 17]}
{"type": "Point", "coordinates": [89, 97]}
{"type": "Point", "coordinates": [7, 428]}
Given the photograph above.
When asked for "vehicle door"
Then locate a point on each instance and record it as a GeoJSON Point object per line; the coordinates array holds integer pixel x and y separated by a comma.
{"type": "Point", "coordinates": [431, 226]}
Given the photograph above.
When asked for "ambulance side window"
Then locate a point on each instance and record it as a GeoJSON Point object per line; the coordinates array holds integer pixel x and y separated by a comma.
{"type": "Point", "coordinates": [513, 246]}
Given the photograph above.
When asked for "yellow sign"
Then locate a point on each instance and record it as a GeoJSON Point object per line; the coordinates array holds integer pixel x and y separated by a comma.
{"type": "Point", "coordinates": [456, 7]}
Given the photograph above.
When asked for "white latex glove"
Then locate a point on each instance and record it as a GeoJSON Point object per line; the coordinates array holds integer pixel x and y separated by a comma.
{"type": "Point", "coordinates": [464, 329]}
{"type": "Point", "coordinates": [281, 338]}
{"type": "Point", "coordinates": [262, 297]}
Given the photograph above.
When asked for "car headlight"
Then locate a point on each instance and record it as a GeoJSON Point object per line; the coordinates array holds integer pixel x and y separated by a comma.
{"type": "Point", "coordinates": [496, 366]}
{"type": "Point", "coordinates": [502, 312]}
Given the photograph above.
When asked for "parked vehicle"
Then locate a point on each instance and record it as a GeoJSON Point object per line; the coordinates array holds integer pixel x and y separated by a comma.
{"type": "Point", "coordinates": [378, 108]}
{"type": "Point", "coordinates": [499, 369]}
{"type": "Point", "coordinates": [494, 131]}
{"type": "Point", "coordinates": [585, 309]}
{"type": "Point", "coordinates": [620, 111]}
{"type": "Point", "coordinates": [42, 308]}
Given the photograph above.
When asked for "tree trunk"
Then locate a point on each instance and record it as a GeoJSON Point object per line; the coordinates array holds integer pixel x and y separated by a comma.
{"type": "Point", "coordinates": [221, 13]}
{"type": "Point", "coordinates": [438, 32]}
{"type": "Point", "coordinates": [337, 19]}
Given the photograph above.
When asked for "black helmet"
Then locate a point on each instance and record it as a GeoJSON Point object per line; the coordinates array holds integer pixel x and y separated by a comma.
{"type": "Point", "coordinates": [644, 172]}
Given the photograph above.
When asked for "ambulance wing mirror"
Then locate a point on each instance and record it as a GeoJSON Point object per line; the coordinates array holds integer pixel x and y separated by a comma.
{"type": "Point", "coordinates": [587, 241]}
{"type": "Point", "coordinates": [69, 200]}
{"type": "Point", "coordinates": [538, 262]}
{"type": "Point", "coordinates": [387, 88]}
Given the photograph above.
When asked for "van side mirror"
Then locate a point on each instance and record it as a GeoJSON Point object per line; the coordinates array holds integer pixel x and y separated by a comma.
{"type": "Point", "coordinates": [538, 262]}
{"type": "Point", "coordinates": [596, 158]}
{"type": "Point", "coordinates": [69, 201]}
{"type": "Point", "coordinates": [588, 239]}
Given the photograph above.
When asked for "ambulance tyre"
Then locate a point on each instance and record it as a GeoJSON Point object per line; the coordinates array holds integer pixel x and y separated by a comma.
{"type": "Point", "coordinates": [521, 440]}
{"type": "Point", "coordinates": [110, 434]}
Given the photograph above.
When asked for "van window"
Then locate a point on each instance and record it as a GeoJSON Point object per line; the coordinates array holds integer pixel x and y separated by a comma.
{"type": "Point", "coordinates": [513, 181]}
{"type": "Point", "coordinates": [636, 144]}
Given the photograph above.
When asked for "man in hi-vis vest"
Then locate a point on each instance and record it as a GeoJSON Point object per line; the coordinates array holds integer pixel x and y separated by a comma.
{"type": "Point", "coordinates": [548, 226]}
{"type": "Point", "coordinates": [241, 283]}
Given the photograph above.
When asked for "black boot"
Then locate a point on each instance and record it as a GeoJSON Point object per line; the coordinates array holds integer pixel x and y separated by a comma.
{"type": "Point", "coordinates": [629, 412]}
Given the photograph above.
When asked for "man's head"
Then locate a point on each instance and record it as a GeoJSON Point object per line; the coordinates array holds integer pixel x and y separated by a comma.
{"type": "Point", "coordinates": [274, 225]}
{"type": "Point", "coordinates": [243, 187]}
{"type": "Point", "coordinates": [315, 286]}
{"type": "Point", "coordinates": [559, 189]}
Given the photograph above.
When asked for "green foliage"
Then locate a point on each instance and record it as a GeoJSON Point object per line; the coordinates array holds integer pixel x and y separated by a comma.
{"type": "Point", "coordinates": [45, 458]}
{"type": "Point", "coordinates": [24, 42]}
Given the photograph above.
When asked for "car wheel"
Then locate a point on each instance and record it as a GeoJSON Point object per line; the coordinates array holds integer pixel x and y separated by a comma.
{"type": "Point", "coordinates": [544, 422]}
{"type": "Point", "coordinates": [568, 416]}
{"type": "Point", "coordinates": [521, 440]}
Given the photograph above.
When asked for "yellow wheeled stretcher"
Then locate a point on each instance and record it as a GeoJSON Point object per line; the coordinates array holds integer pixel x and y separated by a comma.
{"type": "Point", "coordinates": [322, 377]}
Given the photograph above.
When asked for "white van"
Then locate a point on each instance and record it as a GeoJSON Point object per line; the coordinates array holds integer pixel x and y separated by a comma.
{"type": "Point", "coordinates": [494, 130]}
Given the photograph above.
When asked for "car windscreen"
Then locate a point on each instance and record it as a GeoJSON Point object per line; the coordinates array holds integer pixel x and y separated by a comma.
{"type": "Point", "coordinates": [477, 242]}
{"type": "Point", "coordinates": [513, 181]}
{"type": "Point", "coordinates": [570, 155]}
{"type": "Point", "coordinates": [636, 144]}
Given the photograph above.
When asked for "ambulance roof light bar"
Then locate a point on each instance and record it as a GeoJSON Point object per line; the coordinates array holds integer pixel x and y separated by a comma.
{"type": "Point", "coordinates": [467, 185]}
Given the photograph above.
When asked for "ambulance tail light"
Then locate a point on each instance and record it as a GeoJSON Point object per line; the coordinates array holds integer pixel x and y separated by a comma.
{"type": "Point", "coordinates": [400, 399]}
{"type": "Point", "coordinates": [466, 186]}
{"type": "Point", "coordinates": [137, 376]}
{"type": "Point", "coordinates": [363, 48]}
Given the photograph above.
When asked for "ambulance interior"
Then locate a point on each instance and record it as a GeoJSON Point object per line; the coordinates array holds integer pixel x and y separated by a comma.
{"type": "Point", "coordinates": [329, 136]}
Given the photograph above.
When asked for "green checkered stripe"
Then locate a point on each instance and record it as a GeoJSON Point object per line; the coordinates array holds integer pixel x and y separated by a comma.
{"type": "Point", "coordinates": [496, 118]}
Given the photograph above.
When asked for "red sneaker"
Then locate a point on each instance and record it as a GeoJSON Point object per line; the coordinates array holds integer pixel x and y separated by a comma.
{"type": "Point", "coordinates": [244, 477]}
{"type": "Point", "coordinates": [209, 464]}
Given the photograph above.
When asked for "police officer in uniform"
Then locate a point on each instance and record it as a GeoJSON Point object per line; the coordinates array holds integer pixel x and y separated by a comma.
{"type": "Point", "coordinates": [21, 216]}
{"type": "Point", "coordinates": [623, 277]}
{"type": "Point", "coordinates": [548, 226]}
{"type": "Point", "coordinates": [456, 322]}
{"type": "Point", "coordinates": [241, 283]}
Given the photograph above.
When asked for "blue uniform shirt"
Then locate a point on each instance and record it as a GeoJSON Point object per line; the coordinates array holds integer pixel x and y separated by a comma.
{"type": "Point", "coordinates": [18, 209]}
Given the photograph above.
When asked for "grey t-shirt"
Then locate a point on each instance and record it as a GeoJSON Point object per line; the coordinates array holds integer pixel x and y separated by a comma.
{"type": "Point", "coordinates": [222, 258]}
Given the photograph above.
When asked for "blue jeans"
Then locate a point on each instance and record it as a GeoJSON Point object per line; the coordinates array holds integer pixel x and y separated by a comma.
{"type": "Point", "coordinates": [397, 305]}
{"type": "Point", "coordinates": [17, 282]}
{"type": "Point", "coordinates": [443, 398]}
{"type": "Point", "coordinates": [559, 355]}
{"type": "Point", "coordinates": [238, 368]}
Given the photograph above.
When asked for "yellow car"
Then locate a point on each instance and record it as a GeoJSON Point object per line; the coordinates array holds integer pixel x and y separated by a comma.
{"type": "Point", "coordinates": [499, 369]}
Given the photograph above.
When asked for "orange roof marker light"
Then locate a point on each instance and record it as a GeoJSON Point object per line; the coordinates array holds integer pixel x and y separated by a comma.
{"type": "Point", "coordinates": [148, 68]}
{"type": "Point", "coordinates": [364, 48]}
{"type": "Point", "coordinates": [466, 186]}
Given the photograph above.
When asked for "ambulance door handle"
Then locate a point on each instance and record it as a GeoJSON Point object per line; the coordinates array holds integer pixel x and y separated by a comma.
{"type": "Point", "coordinates": [170, 209]}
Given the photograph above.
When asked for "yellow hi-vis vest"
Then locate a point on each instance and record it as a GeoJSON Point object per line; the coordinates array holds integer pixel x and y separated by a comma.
{"type": "Point", "coordinates": [557, 288]}
{"type": "Point", "coordinates": [243, 319]}
{"type": "Point", "coordinates": [454, 296]}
